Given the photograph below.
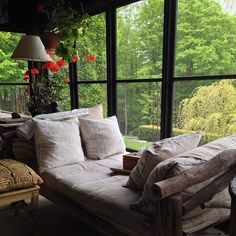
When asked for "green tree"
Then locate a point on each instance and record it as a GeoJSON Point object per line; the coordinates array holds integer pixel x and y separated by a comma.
{"type": "Point", "coordinates": [211, 109]}
{"type": "Point", "coordinates": [10, 70]}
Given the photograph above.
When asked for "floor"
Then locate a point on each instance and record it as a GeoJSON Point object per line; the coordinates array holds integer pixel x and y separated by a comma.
{"type": "Point", "coordinates": [50, 220]}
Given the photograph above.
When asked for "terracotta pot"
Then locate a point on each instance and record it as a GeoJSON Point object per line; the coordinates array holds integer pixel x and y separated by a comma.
{"type": "Point", "coordinates": [50, 40]}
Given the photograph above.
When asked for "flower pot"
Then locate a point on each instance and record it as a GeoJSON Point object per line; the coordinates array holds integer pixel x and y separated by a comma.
{"type": "Point", "coordinates": [50, 40]}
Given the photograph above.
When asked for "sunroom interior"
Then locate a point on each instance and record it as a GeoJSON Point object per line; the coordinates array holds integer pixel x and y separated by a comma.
{"type": "Point", "coordinates": [162, 67]}
{"type": "Point", "coordinates": [151, 78]}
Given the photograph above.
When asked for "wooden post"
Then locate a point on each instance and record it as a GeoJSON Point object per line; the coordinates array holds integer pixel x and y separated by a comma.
{"type": "Point", "coordinates": [232, 192]}
{"type": "Point", "coordinates": [169, 216]}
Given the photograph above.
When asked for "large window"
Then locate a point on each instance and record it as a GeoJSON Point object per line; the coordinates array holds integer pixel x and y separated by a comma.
{"type": "Point", "coordinates": [206, 106]}
{"type": "Point", "coordinates": [139, 61]}
{"type": "Point", "coordinates": [140, 39]}
{"type": "Point", "coordinates": [13, 89]}
{"type": "Point", "coordinates": [203, 78]}
{"type": "Point", "coordinates": [206, 42]}
{"type": "Point", "coordinates": [92, 51]}
{"type": "Point", "coordinates": [205, 85]}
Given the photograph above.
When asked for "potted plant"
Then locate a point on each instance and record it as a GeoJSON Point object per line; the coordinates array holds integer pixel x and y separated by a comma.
{"type": "Point", "coordinates": [64, 22]}
{"type": "Point", "coordinates": [47, 87]}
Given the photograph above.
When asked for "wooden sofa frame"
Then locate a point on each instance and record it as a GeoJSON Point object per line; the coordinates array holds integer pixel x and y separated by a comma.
{"type": "Point", "coordinates": [170, 208]}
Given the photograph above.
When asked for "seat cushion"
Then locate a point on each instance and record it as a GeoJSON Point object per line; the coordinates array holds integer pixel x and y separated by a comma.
{"type": "Point", "coordinates": [91, 185]}
{"type": "Point", "coordinates": [16, 175]}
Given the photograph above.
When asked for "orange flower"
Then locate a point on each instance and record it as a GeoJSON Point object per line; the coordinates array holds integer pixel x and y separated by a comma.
{"type": "Point", "coordinates": [91, 58]}
{"type": "Point", "coordinates": [61, 63]}
{"type": "Point", "coordinates": [75, 58]}
{"type": "Point", "coordinates": [67, 80]}
{"type": "Point", "coordinates": [34, 71]}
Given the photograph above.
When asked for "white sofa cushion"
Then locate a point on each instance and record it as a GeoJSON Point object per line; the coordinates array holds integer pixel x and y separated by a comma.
{"type": "Point", "coordinates": [159, 152]}
{"type": "Point", "coordinates": [102, 137]}
{"type": "Point", "coordinates": [57, 143]}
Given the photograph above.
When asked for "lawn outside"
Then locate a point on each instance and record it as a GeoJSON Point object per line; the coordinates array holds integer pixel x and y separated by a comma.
{"type": "Point", "coordinates": [136, 144]}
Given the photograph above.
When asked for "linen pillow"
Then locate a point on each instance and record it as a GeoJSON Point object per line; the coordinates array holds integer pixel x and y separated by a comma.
{"type": "Point", "coordinates": [179, 164]}
{"type": "Point", "coordinates": [157, 153]}
{"type": "Point", "coordinates": [57, 143]}
{"type": "Point", "coordinates": [16, 175]}
{"type": "Point", "coordinates": [26, 130]}
{"type": "Point", "coordinates": [102, 137]}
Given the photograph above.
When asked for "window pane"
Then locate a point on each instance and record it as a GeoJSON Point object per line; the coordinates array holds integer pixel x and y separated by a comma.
{"type": "Point", "coordinates": [139, 113]}
{"type": "Point", "coordinates": [93, 94]}
{"type": "Point", "coordinates": [140, 39]}
{"type": "Point", "coordinates": [206, 42]}
{"type": "Point", "coordinates": [14, 98]}
{"type": "Point", "coordinates": [10, 70]}
{"type": "Point", "coordinates": [92, 50]}
{"type": "Point", "coordinates": [64, 104]}
{"type": "Point", "coordinates": [207, 106]}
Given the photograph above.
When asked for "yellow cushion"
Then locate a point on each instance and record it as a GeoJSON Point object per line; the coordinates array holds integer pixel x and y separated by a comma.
{"type": "Point", "coordinates": [16, 175]}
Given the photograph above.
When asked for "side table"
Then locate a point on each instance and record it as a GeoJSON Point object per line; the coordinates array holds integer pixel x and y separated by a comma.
{"type": "Point", "coordinates": [21, 195]}
{"type": "Point", "coordinates": [130, 160]}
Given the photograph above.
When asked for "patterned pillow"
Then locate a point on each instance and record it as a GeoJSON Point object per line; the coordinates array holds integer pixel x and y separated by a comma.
{"type": "Point", "coordinates": [159, 152]}
{"type": "Point", "coordinates": [16, 175]}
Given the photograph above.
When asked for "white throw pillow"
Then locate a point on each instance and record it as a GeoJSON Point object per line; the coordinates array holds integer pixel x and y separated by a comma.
{"type": "Point", "coordinates": [159, 152]}
{"type": "Point", "coordinates": [102, 137]}
{"type": "Point", "coordinates": [57, 143]}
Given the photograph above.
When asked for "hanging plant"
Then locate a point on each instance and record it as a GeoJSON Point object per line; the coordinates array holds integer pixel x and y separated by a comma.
{"type": "Point", "coordinates": [66, 23]}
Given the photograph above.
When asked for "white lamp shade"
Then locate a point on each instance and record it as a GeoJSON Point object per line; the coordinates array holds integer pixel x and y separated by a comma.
{"type": "Point", "coordinates": [30, 48]}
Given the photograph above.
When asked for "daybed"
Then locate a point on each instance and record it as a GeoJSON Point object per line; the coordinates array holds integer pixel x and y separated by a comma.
{"type": "Point", "coordinates": [108, 202]}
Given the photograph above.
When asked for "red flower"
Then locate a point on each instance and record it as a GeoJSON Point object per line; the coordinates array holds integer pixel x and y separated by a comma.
{"type": "Point", "coordinates": [51, 66]}
{"type": "Point", "coordinates": [75, 58]}
{"type": "Point", "coordinates": [54, 67]}
{"type": "Point", "coordinates": [91, 58]}
{"type": "Point", "coordinates": [50, 52]}
{"type": "Point", "coordinates": [67, 80]}
{"type": "Point", "coordinates": [26, 78]}
{"type": "Point", "coordinates": [34, 71]}
{"type": "Point", "coordinates": [40, 8]}
{"type": "Point", "coordinates": [61, 63]}
{"type": "Point", "coordinates": [47, 65]}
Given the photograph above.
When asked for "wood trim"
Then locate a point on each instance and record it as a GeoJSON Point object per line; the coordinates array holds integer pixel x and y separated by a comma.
{"type": "Point", "coordinates": [19, 195]}
{"type": "Point", "coordinates": [191, 177]}
{"type": "Point", "coordinates": [208, 192]}
{"type": "Point", "coordinates": [232, 191]}
{"type": "Point", "coordinates": [169, 218]}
